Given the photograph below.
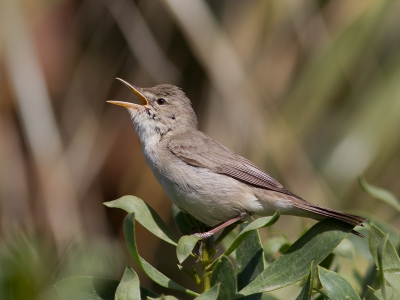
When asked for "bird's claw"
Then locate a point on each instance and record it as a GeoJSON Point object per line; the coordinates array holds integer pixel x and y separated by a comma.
{"type": "Point", "coordinates": [204, 238]}
{"type": "Point", "coordinates": [203, 235]}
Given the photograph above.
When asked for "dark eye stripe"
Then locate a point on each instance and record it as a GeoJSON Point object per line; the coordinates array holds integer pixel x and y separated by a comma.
{"type": "Point", "coordinates": [161, 101]}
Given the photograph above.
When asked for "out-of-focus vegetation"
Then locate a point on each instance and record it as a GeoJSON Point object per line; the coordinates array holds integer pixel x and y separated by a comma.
{"type": "Point", "coordinates": [308, 90]}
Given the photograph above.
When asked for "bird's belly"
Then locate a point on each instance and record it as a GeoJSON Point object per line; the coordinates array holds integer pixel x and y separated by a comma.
{"type": "Point", "coordinates": [209, 197]}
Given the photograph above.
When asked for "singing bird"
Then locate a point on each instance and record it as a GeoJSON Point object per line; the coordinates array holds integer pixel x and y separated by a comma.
{"type": "Point", "coordinates": [202, 177]}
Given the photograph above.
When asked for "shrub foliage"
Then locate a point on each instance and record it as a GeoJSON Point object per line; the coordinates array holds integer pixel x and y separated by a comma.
{"type": "Point", "coordinates": [250, 269]}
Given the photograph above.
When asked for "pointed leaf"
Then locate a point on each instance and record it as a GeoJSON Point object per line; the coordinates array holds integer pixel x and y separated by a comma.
{"type": "Point", "coordinates": [225, 275]}
{"type": "Point", "coordinates": [316, 244]}
{"type": "Point", "coordinates": [151, 272]}
{"type": "Point", "coordinates": [379, 193]}
{"type": "Point", "coordinates": [335, 286]}
{"type": "Point", "coordinates": [129, 287]}
{"type": "Point", "coordinates": [307, 289]}
{"type": "Point", "coordinates": [390, 259]}
{"type": "Point", "coordinates": [211, 294]}
{"type": "Point", "coordinates": [256, 224]}
{"type": "Point", "coordinates": [249, 261]}
{"type": "Point", "coordinates": [185, 246]}
{"type": "Point", "coordinates": [87, 288]}
{"type": "Point", "coordinates": [146, 216]}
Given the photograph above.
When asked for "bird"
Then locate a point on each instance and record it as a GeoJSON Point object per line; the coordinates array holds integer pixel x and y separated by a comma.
{"type": "Point", "coordinates": [201, 176]}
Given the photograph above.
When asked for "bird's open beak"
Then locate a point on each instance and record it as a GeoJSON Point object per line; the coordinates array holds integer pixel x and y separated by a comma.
{"type": "Point", "coordinates": [127, 104]}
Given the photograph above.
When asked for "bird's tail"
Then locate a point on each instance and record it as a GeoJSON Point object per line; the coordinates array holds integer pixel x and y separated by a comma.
{"type": "Point", "coordinates": [320, 213]}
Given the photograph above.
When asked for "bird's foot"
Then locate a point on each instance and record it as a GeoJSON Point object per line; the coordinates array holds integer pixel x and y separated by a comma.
{"type": "Point", "coordinates": [204, 235]}
{"type": "Point", "coordinates": [204, 242]}
{"type": "Point", "coordinates": [205, 238]}
{"type": "Point", "coordinates": [208, 234]}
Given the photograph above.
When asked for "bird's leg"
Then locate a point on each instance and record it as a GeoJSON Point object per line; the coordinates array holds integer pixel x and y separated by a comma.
{"type": "Point", "coordinates": [206, 235]}
{"type": "Point", "coordinates": [200, 253]}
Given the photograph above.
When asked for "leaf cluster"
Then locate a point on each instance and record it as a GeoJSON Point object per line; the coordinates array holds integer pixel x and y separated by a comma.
{"type": "Point", "coordinates": [247, 269]}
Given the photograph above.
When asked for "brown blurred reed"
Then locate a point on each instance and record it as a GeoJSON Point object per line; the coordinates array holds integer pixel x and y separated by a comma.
{"type": "Point", "coordinates": [309, 90]}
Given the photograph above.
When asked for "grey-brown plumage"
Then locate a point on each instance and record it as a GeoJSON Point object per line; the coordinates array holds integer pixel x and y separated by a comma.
{"type": "Point", "coordinates": [200, 175]}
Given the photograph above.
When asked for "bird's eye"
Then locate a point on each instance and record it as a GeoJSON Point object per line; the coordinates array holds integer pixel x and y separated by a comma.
{"type": "Point", "coordinates": [161, 101]}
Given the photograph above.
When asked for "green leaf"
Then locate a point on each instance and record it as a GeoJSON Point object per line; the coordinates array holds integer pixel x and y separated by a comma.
{"type": "Point", "coordinates": [379, 193]}
{"type": "Point", "coordinates": [225, 275]}
{"type": "Point", "coordinates": [129, 287]}
{"type": "Point", "coordinates": [87, 288]}
{"type": "Point", "coordinates": [336, 287]}
{"type": "Point", "coordinates": [381, 249]}
{"type": "Point", "coordinates": [228, 240]}
{"type": "Point", "coordinates": [256, 224]}
{"type": "Point", "coordinates": [249, 261]}
{"type": "Point", "coordinates": [307, 289]}
{"type": "Point", "coordinates": [185, 246]}
{"type": "Point", "coordinates": [151, 272]}
{"type": "Point", "coordinates": [146, 216]}
{"type": "Point", "coordinates": [370, 296]}
{"type": "Point", "coordinates": [385, 295]}
{"type": "Point", "coordinates": [211, 294]}
{"type": "Point", "coordinates": [316, 244]}
{"type": "Point", "coordinates": [390, 261]}
{"type": "Point", "coordinates": [273, 245]}
{"type": "Point", "coordinates": [182, 220]}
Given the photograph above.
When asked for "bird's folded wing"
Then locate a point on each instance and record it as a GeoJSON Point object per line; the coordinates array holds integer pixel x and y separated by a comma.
{"type": "Point", "coordinates": [198, 149]}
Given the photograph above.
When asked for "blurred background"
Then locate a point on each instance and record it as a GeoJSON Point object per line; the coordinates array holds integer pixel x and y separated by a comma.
{"type": "Point", "coordinates": [308, 90]}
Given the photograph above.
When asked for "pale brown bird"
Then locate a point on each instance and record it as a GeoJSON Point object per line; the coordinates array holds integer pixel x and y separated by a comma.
{"type": "Point", "coordinates": [203, 177]}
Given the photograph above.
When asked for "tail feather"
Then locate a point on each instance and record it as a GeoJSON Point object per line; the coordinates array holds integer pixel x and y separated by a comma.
{"type": "Point", "coordinates": [357, 233]}
{"type": "Point", "coordinates": [323, 212]}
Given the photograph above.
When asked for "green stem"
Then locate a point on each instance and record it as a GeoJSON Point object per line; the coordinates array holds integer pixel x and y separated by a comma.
{"type": "Point", "coordinates": [206, 259]}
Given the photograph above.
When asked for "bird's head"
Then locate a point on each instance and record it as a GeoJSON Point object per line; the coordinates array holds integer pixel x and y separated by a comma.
{"type": "Point", "coordinates": [165, 109]}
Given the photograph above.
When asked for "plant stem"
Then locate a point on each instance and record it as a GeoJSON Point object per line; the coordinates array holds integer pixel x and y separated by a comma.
{"type": "Point", "coordinates": [206, 259]}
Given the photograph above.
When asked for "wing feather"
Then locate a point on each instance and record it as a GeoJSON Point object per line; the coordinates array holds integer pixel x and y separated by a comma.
{"type": "Point", "coordinates": [199, 150]}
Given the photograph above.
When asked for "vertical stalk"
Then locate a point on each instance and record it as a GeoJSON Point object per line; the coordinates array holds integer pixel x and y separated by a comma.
{"type": "Point", "coordinates": [206, 260]}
